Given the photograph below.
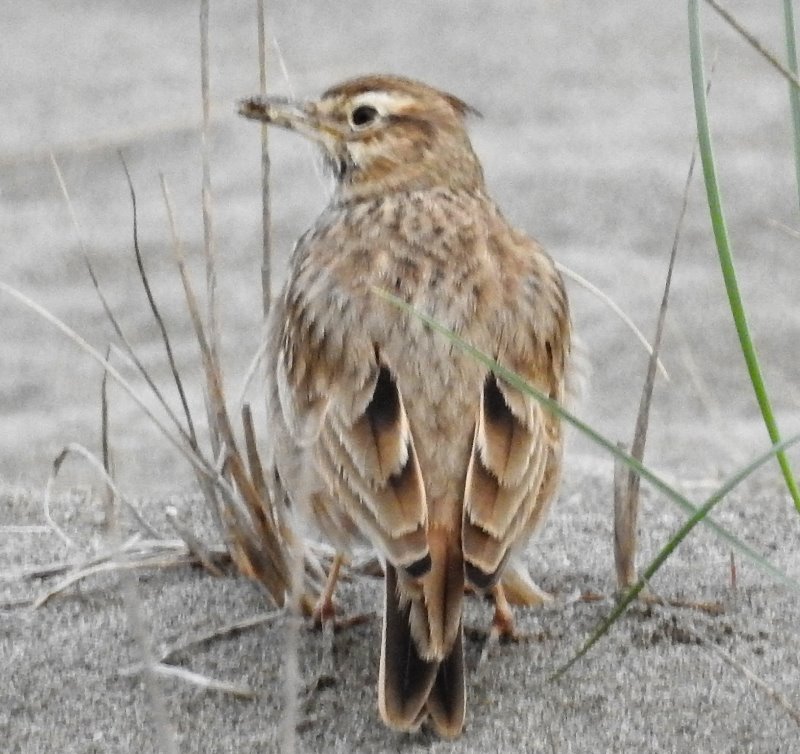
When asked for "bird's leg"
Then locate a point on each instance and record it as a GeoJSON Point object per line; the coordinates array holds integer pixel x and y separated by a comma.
{"type": "Point", "coordinates": [503, 619]}
{"type": "Point", "coordinates": [323, 614]}
{"type": "Point", "coordinates": [502, 622]}
{"type": "Point", "coordinates": [325, 611]}
{"type": "Point", "coordinates": [323, 617]}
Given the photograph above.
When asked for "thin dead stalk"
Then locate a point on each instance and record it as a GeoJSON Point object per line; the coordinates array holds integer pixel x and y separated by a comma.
{"type": "Point", "coordinates": [266, 220]}
{"type": "Point", "coordinates": [169, 653]}
{"type": "Point", "coordinates": [771, 692]}
{"type": "Point", "coordinates": [258, 548]}
{"type": "Point", "coordinates": [254, 462]}
{"type": "Point", "coordinates": [611, 304]}
{"type": "Point", "coordinates": [48, 517]}
{"type": "Point", "coordinates": [776, 696]}
{"type": "Point", "coordinates": [208, 229]}
{"type": "Point", "coordinates": [626, 482]}
{"type": "Point", "coordinates": [133, 562]}
{"type": "Point", "coordinates": [792, 232]}
{"type": "Point", "coordinates": [108, 492]}
{"type": "Point", "coordinates": [132, 547]}
{"type": "Point", "coordinates": [194, 545]}
{"type": "Point", "coordinates": [292, 680]}
{"type": "Point", "coordinates": [730, 19]}
{"type": "Point", "coordinates": [96, 464]}
{"type": "Point", "coordinates": [154, 307]}
{"type": "Point", "coordinates": [203, 681]}
{"type": "Point", "coordinates": [104, 301]}
{"type": "Point", "coordinates": [165, 733]}
{"type": "Point", "coordinates": [625, 518]}
{"type": "Point", "coordinates": [712, 608]}
{"type": "Point", "coordinates": [252, 367]}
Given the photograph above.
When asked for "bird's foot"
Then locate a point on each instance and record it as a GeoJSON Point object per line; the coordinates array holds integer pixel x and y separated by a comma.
{"type": "Point", "coordinates": [503, 628]}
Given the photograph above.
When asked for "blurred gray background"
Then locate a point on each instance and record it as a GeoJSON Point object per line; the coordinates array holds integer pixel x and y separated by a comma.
{"type": "Point", "coordinates": [586, 136]}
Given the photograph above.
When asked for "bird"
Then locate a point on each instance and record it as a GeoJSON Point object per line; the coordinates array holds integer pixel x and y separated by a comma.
{"type": "Point", "coordinates": [383, 430]}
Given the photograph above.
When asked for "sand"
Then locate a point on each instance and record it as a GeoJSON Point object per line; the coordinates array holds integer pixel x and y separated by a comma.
{"type": "Point", "coordinates": [586, 135]}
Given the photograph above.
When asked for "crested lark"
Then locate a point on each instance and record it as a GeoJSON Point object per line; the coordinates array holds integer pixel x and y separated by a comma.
{"type": "Point", "coordinates": [382, 430]}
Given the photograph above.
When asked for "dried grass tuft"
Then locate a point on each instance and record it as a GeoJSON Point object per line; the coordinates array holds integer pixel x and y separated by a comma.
{"type": "Point", "coordinates": [626, 479]}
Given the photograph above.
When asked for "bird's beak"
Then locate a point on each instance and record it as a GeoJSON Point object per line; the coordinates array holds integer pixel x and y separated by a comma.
{"type": "Point", "coordinates": [300, 117]}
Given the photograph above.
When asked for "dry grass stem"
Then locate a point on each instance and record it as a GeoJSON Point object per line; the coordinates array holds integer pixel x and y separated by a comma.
{"type": "Point", "coordinates": [625, 519]}
{"type": "Point", "coordinates": [63, 536]}
{"type": "Point", "coordinates": [105, 449]}
{"type": "Point", "coordinates": [205, 148]}
{"type": "Point", "coordinates": [170, 652]}
{"type": "Point", "coordinates": [292, 681]}
{"type": "Point", "coordinates": [194, 545]}
{"type": "Point", "coordinates": [165, 734]}
{"type": "Point", "coordinates": [712, 646]}
{"type": "Point", "coordinates": [611, 304]}
{"type": "Point", "coordinates": [776, 696]}
{"type": "Point", "coordinates": [203, 681]}
{"type": "Point", "coordinates": [158, 559]}
{"type": "Point", "coordinates": [626, 480]}
{"type": "Point", "coordinates": [255, 544]}
{"type": "Point", "coordinates": [243, 515]}
{"type": "Point", "coordinates": [266, 220]}
{"type": "Point", "coordinates": [703, 390]}
{"type": "Point", "coordinates": [709, 608]}
{"type": "Point", "coordinates": [134, 547]}
{"type": "Point", "coordinates": [57, 568]}
{"type": "Point", "coordinates": [97, 465]}
{"type": "Point", "coordinates": [77, 576]}
{"type": "Point", "coordinates": [793, 232]}
{"type": "Point", "coordinates": [219, 426]}
{"type": "Point", "coordinates": [254, 462]}
{"type": "Point", "coordinates": [252, 367]}
{"type": "Point", "coordinates": [154, 308]}
{"type": "Point", "coordinates": [755, 44]}
{"type": "Point", "coordinates": [130, 352]}
{"type": "Point", "coordinates": [307, 145]}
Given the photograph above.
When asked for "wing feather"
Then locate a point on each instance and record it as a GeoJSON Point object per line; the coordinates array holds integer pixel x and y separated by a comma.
{"type": "Point", "coordinates": [516, 450]}
{"type": "Point", "coordinates": [404, 550]}
{"type": "Point", "coordinates": [374, 464]}
{"type": "Point", "coordinates": [340, 399]}
{"type": "Point", "coordinates": [496, 502]}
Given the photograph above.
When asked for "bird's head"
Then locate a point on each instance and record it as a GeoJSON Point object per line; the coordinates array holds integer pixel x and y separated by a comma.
{"type": "Point", "coordinates": [381, 134]}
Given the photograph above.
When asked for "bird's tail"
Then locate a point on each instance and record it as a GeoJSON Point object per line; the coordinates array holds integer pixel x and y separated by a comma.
{"type": "Point", "coordinates": [446, 703]}
{"type": "Point", "coordinates": [422, 658]}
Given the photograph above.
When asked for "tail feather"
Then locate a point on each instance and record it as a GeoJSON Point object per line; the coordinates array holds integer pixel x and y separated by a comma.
{"type": "Point", "coordinates": [447, 700]}
{"type": "Point", "coordinates": [436, 613]}
{"type": "Point", "coordinates": [424, 676]}
{"type": "Point", "coordinates": [405, 678]}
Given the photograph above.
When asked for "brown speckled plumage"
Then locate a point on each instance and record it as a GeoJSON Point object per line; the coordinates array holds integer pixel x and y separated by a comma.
{"type": "Point", "coordinates": [383, 429]}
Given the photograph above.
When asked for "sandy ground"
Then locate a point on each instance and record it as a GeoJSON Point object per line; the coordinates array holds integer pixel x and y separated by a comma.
{"type": "Point", "coordinates": [585, 139]}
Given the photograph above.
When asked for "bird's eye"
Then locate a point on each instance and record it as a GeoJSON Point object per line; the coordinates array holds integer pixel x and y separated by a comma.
{"type": "Point", "coordinates": [363, 115]}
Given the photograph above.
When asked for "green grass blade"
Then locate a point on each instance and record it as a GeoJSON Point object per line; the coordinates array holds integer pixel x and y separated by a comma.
{"type": "Point", "coordinates": [520, 384]}
{"type": "Point", "coordinates": [724, 248]}
{"type": "Point", "coordinates": [648, 573]}
{"type": "Point", "coordinates": [794, 95]}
